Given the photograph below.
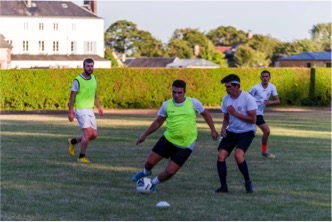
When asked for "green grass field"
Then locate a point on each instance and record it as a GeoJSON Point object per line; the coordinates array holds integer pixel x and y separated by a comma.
{"type": "Point", "coordinates": [40, 181]}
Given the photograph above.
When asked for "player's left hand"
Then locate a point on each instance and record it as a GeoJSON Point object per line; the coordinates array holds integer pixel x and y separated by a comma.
{"type": "Point", "coordinates": [101, 111]}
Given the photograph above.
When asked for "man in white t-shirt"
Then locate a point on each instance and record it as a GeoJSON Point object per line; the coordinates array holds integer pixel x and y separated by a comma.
{"type": "Point", "coordinates": [237, 131]}
{"type": "Point", "coordinates": [262, 93]}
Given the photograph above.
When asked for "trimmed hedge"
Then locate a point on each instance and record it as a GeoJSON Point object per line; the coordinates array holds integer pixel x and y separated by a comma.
{"type": "Point", "coordinates": [49, 89]}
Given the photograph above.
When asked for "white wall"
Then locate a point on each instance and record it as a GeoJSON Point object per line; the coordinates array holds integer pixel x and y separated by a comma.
{"type": "Point", "coordinates": [78, 30]}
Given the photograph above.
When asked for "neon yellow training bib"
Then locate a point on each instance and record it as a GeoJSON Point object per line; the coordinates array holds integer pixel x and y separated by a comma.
{"type": "Point", "coordinates": [181, 127]}
{"type": "Point", "coordinates": [85, 98]}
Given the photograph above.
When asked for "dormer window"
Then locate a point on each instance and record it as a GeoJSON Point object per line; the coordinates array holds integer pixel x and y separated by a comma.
{"type": "Point", "coordinates": [64, 5]}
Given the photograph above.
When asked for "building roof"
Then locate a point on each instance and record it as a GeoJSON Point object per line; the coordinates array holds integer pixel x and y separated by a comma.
{"type": "Point", "coordinates": [309, 56]}
{"type": "Point", "coordinates": [56, 57]}
{"type": "Point", "coordinates": [222, 49]}
{"type": "Point", "coordinates": [43, 9]}
{"type": "Point", "coordinates": [192, 63]}
{"type": "Point", "coordinates": [151, 62]}
{"type": "Point", "coordinates": [4, 43]}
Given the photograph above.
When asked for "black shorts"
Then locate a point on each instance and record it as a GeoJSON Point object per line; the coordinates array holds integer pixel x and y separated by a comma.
{"type": "Point", "coordinates": [167, 150]}
{"type": "Point", "coordinates": [259, 120]}
{"type": "Point", "coordinates": [239, 140]}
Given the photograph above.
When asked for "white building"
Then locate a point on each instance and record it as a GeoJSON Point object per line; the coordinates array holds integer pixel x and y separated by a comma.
{"type": "Point", "coordinates": [52, 34]}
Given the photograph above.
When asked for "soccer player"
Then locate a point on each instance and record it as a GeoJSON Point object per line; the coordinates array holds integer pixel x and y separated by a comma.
{"type": "Point", "coordinates": [83, 96]}
{"type": "Point", "coordinates": [262, 93]}
{"type": "Point", "coordinates": [180, 136]}
{"type": "Point", "coordinates": [237, 131]}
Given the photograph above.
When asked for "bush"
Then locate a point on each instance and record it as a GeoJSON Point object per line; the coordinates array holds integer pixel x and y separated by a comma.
{"type": "Point", "coordinates": [147, 88]}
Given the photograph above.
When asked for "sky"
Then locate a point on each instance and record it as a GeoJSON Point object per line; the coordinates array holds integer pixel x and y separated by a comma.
{"type": "Point", "coordinates": [284, 20]}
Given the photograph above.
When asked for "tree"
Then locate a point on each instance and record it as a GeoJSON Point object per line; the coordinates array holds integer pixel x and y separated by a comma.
{"type": "Point", "coordinates": [226, 35]}
{"type": "Point", "coordinates": [322, 33]}
{"type": "Point", "coordinates": [109, 55]}
{"type": "Point", "coordinates": [245, 56]}
{"type": "Point", "coordinates": [146, 45]}
{"type": "Point", "coordinates": [121, 36]}
{"type": "Point", "coordinates": [210, 54]}
{"type": "Point", "coordinates": [179, 48]}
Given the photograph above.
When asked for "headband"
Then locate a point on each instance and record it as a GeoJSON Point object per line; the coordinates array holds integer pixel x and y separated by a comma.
{"type": "Point", "coordinates": [234, 81]}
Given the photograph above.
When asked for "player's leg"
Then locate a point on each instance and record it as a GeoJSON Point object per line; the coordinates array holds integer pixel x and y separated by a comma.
{"type": "Point", "coordinates": [178, 156]}
{"type": "Point", "coordinates": [71, 143]}
{"type": "Point", "coordinates": [87, 135]}
{"type": "Point", "coordinates": [266, 133]}
{"type": "Point", "coordinates": [158, 152]}
{"type": "Point", "coordinates": [245, 139]}
{"type": "Point", "coordinates": [225, 147]}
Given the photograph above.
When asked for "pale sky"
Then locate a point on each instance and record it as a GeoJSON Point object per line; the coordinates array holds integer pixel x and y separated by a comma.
{"type": "Point", "coordinates": [284, 20]}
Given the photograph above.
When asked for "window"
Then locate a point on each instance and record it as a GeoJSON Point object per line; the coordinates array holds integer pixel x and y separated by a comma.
{"type": "Point", "coordinates": [41, 26]}
{"type": "Point", "coordinates": [328, 65]}
{"type": "Point", "coordinates": [55, 46]}
{"type": "Point", "coordinates": [25, 46]}
{"type": "Point", "coordinates": [55, 26]}
{"type": "Point", "coordinates": [41, 46]}
{"type": "Point", "coordinates": [72, 46]}
{"type": "Point", "coordinates": [25, 26]}
{"type": "Point", "coordinates": [308, 65]}
{"type": "Point", "coordinates": [90, 47]}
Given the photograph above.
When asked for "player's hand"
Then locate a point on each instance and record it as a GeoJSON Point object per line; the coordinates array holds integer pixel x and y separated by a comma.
{"type": "Point", "coordinates": [231, 110]}
{"type": "Point", "coordinates": [101, 111]}
{"type": "Point", "coordinates": [214, 135]}
{"type": "Point", "coordinates": [141, 139]}
{"type": "Point", "coordinates": [71, 116]}
{"type": "Point", "coordinates": [267, 102]}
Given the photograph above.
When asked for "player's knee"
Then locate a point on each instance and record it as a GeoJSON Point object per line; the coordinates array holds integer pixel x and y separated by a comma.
{"type": "Point", "coordinates": [239, 157]}
{"type": "Point", "coordinates": [222, 156]}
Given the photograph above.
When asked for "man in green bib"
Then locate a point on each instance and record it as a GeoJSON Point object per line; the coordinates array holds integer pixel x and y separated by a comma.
{"type": "Point", "coordinates": [84, 97]}
{"type": "Point", "coordinates": [180, 136]}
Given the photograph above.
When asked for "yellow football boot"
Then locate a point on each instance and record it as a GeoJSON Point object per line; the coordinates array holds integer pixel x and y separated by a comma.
{"type": "Point", "coordinates": [71, 148]}
{"type": "Point", "coordinates": [83, 160]}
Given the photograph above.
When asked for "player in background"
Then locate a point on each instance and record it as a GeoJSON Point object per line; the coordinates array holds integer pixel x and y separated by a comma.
{"type": "Point", "coordinates": [180, 136]}
{"type": "Point", "coordinates": [262, 93]}
{"type": "Point", "coordinates": [84, 97]}
{"type": "Point", "coordinates": [237, 131]}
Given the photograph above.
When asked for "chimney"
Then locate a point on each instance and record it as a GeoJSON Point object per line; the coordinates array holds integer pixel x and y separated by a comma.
{"type": "Point", "coordinates": [92, 5]}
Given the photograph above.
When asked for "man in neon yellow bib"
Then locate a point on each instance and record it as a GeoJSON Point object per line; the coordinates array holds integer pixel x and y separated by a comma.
{"type": "Point", "coordinates": [180, 136]}
{"type": "Point", "coordinates": [83, 96]}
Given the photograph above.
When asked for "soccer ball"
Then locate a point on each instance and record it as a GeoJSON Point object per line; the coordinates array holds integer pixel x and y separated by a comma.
{"type": "Point", "coordinates": [143, 185]}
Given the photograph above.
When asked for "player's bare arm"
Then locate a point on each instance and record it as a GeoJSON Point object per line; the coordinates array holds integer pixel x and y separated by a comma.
{"type": "Point", "coordinates": [97, 104]}
{"type": "Point", "coordinates": [225, 124]}
{"type": "Point", "coordinates": [71, 106]}
{"type": "Point", "coordinates": [274, 101]}
{"type": "Point", "coordinates": [208, 119]}
{"type": "Point", "coordinates": [152, 128]}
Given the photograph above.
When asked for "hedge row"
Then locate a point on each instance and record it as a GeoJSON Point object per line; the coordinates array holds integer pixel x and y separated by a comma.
{"type": "Point", "coordinates": [147, 88]}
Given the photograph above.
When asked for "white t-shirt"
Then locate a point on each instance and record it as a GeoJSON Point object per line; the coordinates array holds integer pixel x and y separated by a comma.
{"type": "Point", "coordinates": [262, 94]}
{"type": "Point", "coordinates": [245, 102]}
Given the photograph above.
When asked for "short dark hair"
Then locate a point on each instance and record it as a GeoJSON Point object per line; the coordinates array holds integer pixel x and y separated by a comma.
{"type": "Point", "coordinates": [88, 60]}
{"type": "Point", "coordinates": [265, 71]}
{"type": "Point", "coordinates": [230, 78]}
{"type": "Point", "coordinates": [179, 84]}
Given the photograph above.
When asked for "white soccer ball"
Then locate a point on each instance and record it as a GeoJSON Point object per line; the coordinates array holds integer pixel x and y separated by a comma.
{"type": "Point", "coordinates": [143, 185]}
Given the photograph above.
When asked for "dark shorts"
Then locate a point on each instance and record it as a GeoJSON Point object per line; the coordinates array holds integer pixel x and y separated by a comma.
{"type": "Point", "coordinates": [239, 140]}
{"type": "Point", "coordinates": [259, 120]}
{"type": "Point", "coordinates": [167, 150]}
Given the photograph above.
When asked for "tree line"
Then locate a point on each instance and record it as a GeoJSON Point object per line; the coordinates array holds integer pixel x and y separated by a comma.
{"type": "Point", "coordinates": [252, 50]}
